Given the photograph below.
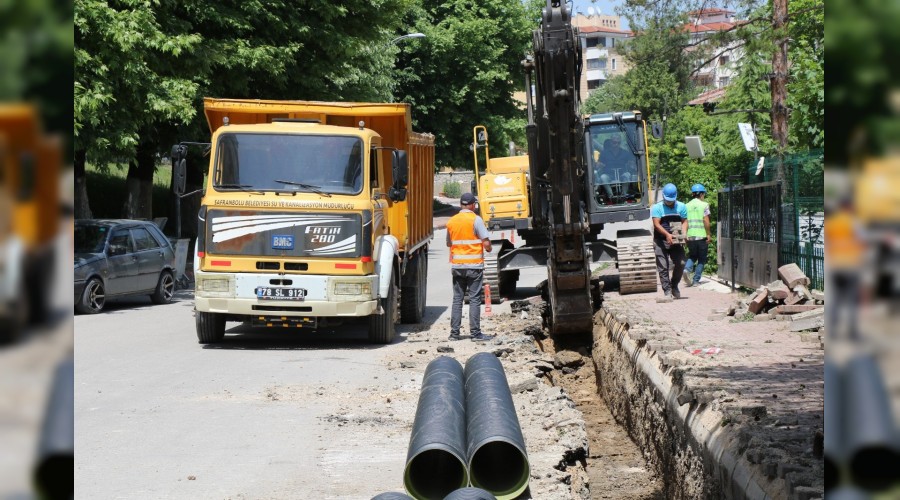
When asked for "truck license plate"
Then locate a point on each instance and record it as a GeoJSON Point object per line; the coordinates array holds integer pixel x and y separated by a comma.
{"type": "Point", "coordinates": [280, 293]}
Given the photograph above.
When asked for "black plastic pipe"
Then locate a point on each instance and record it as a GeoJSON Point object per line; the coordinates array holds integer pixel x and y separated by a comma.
{"type": "Point", "coordinates": [54, 473]}
{"type": "Point", "coordinates": [834, 425]}
{"type": "Point", "coordinates": [872, 440]}
{"type": "Point", "coordinates": [392, 495]}
{"type": "Point", "coordinates": [470, 493]}
{"type": "Point", "coordinates": [496, 455]}
{"type": "Point", "coordinates": [435, 464]}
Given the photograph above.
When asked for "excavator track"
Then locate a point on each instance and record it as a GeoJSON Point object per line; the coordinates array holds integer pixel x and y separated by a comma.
{"type": "Point", "coordinates": [637, 264]}
{"type": "Point", "coordinates": [492, 273]}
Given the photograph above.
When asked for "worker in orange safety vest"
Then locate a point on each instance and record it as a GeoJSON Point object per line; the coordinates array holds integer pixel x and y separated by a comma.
{"type": "Point", "coordinates": [845, 251]}
{"type": "Point", "coordinates": [468, 239]}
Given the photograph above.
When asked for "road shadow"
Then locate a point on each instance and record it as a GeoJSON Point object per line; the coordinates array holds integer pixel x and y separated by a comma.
{"type": "Point", "coordinates": [352, 333]}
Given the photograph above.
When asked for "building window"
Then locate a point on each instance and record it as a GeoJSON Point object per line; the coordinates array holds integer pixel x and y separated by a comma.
{"type": "Point", "coordinates": [590, 42]}
{"type": "Point", "coordinates": [723, 60]}
{"type": "Point", "coordinates": [594, 84]}
{"type": "Point", "coordinates": [613, 64]}
{"type": "Point", "coordinates": [723, 81]}
{"type": "Point", "coordinates": [596, 64]}
{"type": "Point", "coordinates": [612, 42]}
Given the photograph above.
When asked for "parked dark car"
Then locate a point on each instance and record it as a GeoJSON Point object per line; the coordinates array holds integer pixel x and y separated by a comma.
{"type": "Point", "coordinates": [115, 258]}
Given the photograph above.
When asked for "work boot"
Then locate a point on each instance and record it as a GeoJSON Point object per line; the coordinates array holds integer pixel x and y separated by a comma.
{"type": "Point", "coordinates": [676, 292]}
{"type": "Point", "coordinates": [454, 336]}
{"type": "Point", "coordinates": [482, 337]}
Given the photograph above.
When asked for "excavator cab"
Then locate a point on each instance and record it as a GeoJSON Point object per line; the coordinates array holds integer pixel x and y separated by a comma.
{"type": "Point", "coordinates": [619, 171]}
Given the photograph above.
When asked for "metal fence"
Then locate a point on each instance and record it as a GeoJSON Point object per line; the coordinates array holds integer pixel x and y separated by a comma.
{"type": "Point", "coordinates": [749, 233]}
{"type": "Point", "coordinates": [802, 210]}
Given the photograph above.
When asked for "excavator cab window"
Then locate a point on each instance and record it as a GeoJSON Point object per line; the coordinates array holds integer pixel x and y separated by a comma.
{"type": "Point", "coordinates": [614, 166]}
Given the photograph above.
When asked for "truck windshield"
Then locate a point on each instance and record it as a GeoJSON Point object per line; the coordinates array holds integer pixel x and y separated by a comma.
{"type": "Point", "coordinates": [289, 162]}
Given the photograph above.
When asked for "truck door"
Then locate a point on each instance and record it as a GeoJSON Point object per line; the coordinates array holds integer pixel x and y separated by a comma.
{"type": "Point", "coordinates": [122, 264]}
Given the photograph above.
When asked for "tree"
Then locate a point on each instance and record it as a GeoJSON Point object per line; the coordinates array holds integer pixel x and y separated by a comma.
{"type": "Point", "coordinates": [465, 72]}
{"type": "Point", "coordinates": [142, 67]}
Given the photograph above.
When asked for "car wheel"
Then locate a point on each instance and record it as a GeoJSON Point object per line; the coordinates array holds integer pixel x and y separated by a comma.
{"type": "Point", "coordinates": [210, 327]}
{"type": "Point", "coordinates": [93, 298]}
{"type": "Point", "coordinates": [165, 288]}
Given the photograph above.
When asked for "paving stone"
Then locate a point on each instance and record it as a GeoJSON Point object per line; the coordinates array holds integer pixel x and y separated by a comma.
{"type": "Point", "coordinates": [756, 305]}
{"type": "Point", "coordinates": [792, 275]}
{"type": "Point", "coordinates": [818, 295]}
{"type": "Point", "coordinates": [807, 324]}
{"type": "Point", "coordinates": [778, 290]}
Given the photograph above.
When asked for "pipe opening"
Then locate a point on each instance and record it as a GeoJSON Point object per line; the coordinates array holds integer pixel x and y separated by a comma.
{"type": "Point", "coordinates": [832, 473]}
{"type": "Point", "coordinates": [875, 467]}
{"type": "Point", "coordinates": [55, 476]}
{"type": "Point", "coordinates": [500, 468]}
{"type": "Point", "coordinates": [435, 474]}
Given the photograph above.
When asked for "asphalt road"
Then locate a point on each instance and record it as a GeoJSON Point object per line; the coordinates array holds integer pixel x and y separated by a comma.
{"type": "Point", "coordinates": [260, 415]}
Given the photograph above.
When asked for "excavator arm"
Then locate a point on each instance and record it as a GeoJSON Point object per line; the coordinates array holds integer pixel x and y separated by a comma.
{"type": "Point", "coordinates": [555, 133]}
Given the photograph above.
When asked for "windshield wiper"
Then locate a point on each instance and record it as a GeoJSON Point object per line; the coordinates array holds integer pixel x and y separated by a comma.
{"type": "Point", "coordinates": [314, 189]}
{"type": "Point", "coordinates": [240, 187]}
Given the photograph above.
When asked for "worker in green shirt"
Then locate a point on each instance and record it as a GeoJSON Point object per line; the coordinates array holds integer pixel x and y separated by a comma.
{"type": "Point", "coordinates": [698, 235]}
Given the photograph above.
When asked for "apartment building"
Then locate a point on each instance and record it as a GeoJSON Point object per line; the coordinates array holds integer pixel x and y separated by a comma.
{"type": "Point", "coordinates": [600, 35]}
{"type": "Point", "coordinates": [717, 63]}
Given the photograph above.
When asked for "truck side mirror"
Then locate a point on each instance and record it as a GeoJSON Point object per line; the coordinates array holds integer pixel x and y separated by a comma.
{"type": "Point", "coordinates": [400, 170]}
{"type": "Point", "coordinates": [179, 169]}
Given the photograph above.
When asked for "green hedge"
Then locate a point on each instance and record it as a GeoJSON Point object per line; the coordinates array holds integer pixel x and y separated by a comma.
{"type": "Point", "coordinates": [452, 190]}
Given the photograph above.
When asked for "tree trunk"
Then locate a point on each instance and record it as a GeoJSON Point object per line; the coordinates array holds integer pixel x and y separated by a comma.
{"type": "Point", "coordinates": [139, 185]}
{"type": "Point", "coordinates": [82, 206]}
{"type": "Point", "coordinates": [779, 87]}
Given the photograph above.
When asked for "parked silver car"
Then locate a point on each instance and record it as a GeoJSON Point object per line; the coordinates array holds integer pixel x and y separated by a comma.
{"type": "Point", "coordinates": [115, 258]}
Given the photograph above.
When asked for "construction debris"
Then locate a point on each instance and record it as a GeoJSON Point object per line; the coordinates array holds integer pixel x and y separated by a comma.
{"type": "Point", "coordinates": [788, 299]}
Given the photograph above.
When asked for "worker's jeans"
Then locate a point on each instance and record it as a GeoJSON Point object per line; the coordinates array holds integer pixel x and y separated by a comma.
{"type": "Point", "coordinates": [843, 300]}
{"type": "Point", "coordinates": [697, 252]}
{"type": "Point", "coordinates": [466, 281]}
{"type": "Point", "coordinates": [668, 259]}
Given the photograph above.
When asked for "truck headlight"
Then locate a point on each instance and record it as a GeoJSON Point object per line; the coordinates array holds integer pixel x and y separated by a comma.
{"type": "Point", "coordinates": [215, 286]}
{"type": "Point", "coordinates": [345, 288]}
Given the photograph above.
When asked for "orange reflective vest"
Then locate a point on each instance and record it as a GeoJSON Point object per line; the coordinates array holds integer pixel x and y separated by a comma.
{"type": "Point", "coordinates": [843, 248]}
{"type": "Point", "coordinates": [465, 246]}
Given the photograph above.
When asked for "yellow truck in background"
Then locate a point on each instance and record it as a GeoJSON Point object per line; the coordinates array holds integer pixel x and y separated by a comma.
{"type": "Point", "coordinates": [29, 218]}
{"type": "Point", "coordinates": [313, 213]}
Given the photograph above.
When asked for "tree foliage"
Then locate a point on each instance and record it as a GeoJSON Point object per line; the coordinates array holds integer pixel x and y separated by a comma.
{"type": "Point", "coordinates": [465, 72]}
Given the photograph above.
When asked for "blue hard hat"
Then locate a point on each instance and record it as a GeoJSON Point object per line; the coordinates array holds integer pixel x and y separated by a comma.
{"type": "Point", "coordinates": [670, 192]}
{"type": "Point", "coordinates": [698, 188]}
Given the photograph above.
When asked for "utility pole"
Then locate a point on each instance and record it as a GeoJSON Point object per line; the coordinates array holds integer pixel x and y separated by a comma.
{"type": "Point", "coordinates": [779, 83]}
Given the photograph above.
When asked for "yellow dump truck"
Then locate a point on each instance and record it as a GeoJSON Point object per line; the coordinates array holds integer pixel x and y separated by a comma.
{"type": "Point", "coordinates": [313, 213]}
{"type": "Point", "coordinates": [29, 218]}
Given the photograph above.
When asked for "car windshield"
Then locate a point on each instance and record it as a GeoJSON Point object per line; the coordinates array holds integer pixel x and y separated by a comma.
{"type": "Point", "coordinates": [289, 162]}
{"type": "Point", "coordinates": [90, 238]}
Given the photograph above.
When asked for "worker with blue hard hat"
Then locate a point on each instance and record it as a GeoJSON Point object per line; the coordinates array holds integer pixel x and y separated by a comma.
{"type": "Point", "coordinates": [669, 215]}
{"type": "Point", "coordinates": [698, 235]}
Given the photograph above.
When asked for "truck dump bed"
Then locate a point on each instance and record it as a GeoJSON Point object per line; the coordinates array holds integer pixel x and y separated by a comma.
{"type": "Point", "coordinates": [392, 121]}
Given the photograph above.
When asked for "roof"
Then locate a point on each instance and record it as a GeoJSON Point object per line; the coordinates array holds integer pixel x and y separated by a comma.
{"type": "Point", "coordinates": [599, 29]}
{"type": "Point", "coordinates": [704, 27]}
{"type": "Point", "coordinates": [714, 95]}
{"type": "Point", "coordinates": [710, 12]}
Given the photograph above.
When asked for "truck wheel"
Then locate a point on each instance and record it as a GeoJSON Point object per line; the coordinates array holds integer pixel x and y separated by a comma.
{"type": "Point", "coordinates": [165, 288]}
{"type": "Point", "coordinates": [381, 326]}
{"type": "Point", "coordinates": [412, 295]}
{"type": "Point", "coordinates": [93, 298]}
{"type": "Point", "coordinates": [210, 327]}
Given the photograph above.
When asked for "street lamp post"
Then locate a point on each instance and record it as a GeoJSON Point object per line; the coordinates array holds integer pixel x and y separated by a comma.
{"type": "Point", "coordinates": [404, 37]}
{"type": "Point", "coordinates": [400, 39]}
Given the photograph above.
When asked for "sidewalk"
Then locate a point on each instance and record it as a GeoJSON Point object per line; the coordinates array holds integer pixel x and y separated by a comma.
{"type": "Point", "coordinates": [753, 412]}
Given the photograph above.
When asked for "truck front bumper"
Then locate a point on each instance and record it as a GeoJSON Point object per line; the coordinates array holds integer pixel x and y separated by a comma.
{"type": "Point", "coordinates": [325, 296]}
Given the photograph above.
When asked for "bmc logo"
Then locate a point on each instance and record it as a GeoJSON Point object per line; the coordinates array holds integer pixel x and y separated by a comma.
{"type": "Point", "coordinates": [282, 242]}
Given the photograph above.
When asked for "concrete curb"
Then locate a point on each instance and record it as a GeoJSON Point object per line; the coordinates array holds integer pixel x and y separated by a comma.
{"type": "Point", "coordinates": [736, 476]}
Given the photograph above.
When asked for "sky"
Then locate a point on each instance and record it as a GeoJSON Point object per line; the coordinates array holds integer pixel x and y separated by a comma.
{"type": "Point", "coordinates": [606, 7]}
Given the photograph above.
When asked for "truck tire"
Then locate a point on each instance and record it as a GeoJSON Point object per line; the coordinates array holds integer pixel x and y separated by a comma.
{"type": "Point", "coordinates": [93, 298]}
{"type": "Point", "coordinates": [210, 327]}
{"type": "Point", "coordinates": [412, 295]}
{"type": "Point", "coordinates": [165, 288]}
{"type": "Point", "coordinates": [382, 326]}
